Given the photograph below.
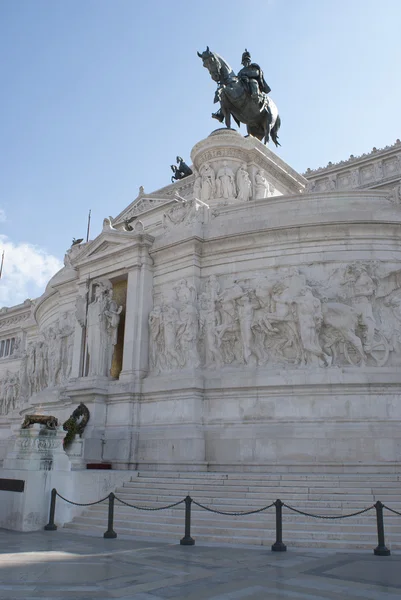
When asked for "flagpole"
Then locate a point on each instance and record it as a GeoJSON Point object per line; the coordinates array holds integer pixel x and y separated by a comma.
{"type": "Point", "coordinates": [1, 266]}
{"type": "Point", "coordinates": [89, 223]}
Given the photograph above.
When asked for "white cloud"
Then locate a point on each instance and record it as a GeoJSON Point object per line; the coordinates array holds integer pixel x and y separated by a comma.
{"type": "Point", "coordinates": [27, 269]}
{"type": "Point", "coordinates": [3, 218]}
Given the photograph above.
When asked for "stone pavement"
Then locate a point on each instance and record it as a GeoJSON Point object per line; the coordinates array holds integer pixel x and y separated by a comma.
{"type": "Point", "coordinates": [63, 565]}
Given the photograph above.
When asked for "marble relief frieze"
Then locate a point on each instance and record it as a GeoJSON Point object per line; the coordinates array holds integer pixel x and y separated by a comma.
{"type": "Point", "coordinates": [350, 317]}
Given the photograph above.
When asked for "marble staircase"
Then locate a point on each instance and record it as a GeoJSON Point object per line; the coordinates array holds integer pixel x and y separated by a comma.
{"type": "Point", "coordinates": [326, 494]}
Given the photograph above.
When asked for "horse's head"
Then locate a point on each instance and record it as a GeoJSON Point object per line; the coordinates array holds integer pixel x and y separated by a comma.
{"type": "Point", "coordinates": [212, 63]}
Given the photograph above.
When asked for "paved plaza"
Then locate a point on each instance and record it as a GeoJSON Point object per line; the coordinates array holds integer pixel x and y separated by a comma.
{"type": "Point", "coordinates": [54, 565]}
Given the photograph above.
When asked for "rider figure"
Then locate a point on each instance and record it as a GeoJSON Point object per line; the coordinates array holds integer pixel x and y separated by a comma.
{"type": "Point", "coordinates": [252, 75]}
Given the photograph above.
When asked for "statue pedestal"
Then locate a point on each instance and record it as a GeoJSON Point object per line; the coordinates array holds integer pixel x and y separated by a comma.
{"type": "Point", "coordinates": [37, 462]}
{"type": "Point", "coordinates": [38, 449]}
{"type": "Point", "coordinates": [225, 151]}
{"type": "Point", "coordinates": [75, 453]}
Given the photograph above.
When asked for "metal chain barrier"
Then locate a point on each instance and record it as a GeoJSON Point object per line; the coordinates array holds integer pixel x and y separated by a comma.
{"type": "Point", "coordinates": [233, 514]}
{"type": "Point", "coordinates": [81, 504]}
{"type": "Point", "coordinates": [187, 540]}
{"type": "Point", "coordinates": [148, 508]}
{"type": "Point", "coordinates": [360, 512]}
{"type": "Point", "coordinates": [392, 510]}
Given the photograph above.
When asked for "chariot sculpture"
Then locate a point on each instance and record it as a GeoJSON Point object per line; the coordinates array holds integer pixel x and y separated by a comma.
{"type": "Point", "coordinates": [243, 97]}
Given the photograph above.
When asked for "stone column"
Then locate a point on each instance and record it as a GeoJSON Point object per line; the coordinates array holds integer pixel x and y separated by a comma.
{"type": "Point", "coordinates": [79, 334]}
{"type": "Point", "coordinates": [139, 304]}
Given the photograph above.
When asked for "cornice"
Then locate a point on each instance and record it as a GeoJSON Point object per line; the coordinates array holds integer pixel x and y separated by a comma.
{"type": "Point", "coordinates": [12, 317]}
{"type": "Point", "coordinates": [353, 160]}
{"type": "Point", "coordinates": [157, 198]}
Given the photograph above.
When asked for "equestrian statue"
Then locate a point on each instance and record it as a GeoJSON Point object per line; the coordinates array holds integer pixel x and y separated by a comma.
{"type": "Point", "coordinates": [243, 96]}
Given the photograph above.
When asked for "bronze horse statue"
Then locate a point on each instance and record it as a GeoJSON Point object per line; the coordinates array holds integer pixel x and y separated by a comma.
{"type": "Point", "coordinates": [260, 117]}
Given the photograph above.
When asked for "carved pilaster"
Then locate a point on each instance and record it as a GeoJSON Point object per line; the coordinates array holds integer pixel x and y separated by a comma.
{"type": "Point", "coordinates": [139, 304]}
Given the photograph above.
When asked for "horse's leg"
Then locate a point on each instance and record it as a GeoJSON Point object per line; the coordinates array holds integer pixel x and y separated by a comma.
{"type": "Point", "coordinates": [267, 131]}
{"type": "Point", "coordinates": [274, 131]}
{"type": "Point", "coordinates": [226, 112]}
{"type": "Point", "coordinates": [227, 117]}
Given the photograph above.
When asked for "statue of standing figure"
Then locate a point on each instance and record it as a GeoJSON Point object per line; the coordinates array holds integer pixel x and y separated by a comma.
{"type": "Point", "coordinates": [113, 316]}
{"type": "Point", "coordinates": [263, 189]}
{"type": "Point", "coordinates": [102, 324]}
{"type": "Point", "coordinates": [225, 182]}
{"type": "Point", "coordinates": [208, 188]}
{"type": "Point", "coordinates": [244, 185]}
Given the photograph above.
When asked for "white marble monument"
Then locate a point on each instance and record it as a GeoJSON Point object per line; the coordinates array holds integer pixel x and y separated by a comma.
{"type": "Point", "coordinates": [242, 318]}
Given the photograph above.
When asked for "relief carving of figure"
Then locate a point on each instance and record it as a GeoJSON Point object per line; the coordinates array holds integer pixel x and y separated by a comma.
{"type": "Point", "coordinates": [225, 182]}
{"type": "Point", "coordinates": [244, 185]}
{"type": "Point", "coordinates": [263, 189]}
{"type": "Point", "coordinates": [54, 342]}
{"type": "Point", "coordinates": [229, 329]}
{"type": "Point", "coordinates": [212, 288]}
{"type": "Point", "coordinates": [378, 170]}
{"type": "Point", "coordinates": [80, 308]}
{"type": "Point", "coordinates": [360, 290]}
{"type": "Point", "coordinates": [331, 183]}
{"type": "Point", "coordinates": [310, 320]}
{"type": "Point", "coordinates": [355, 178]}
{"type": "Point", "coordinates": [30, 368]}
{"type": "Point", "coordinates": [66, 332]}
{"type": "Point", "coordinates": [156, 339]}
{"type": "Point", "coordinates": [208, 189]}
{"type": "Point", "coordinates": [9, 392]}
{"type": "Point", "coordinates": [185, 293]}
{"type": "Point", "coordinates": [170, 328]}
{"type": "Point", "coordinates": [209, 322]}
{"type": "Point", "coordinates": [198, 186]}
{"type": "Point", "coordinates": [187, 335]}
{"type": "Point", "coordinates": [246, 308]}
{"type": "Point", "coordinates": [174, 329]}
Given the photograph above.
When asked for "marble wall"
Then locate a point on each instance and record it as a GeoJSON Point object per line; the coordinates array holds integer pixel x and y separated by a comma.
{"type": "Point", "coordinates": [261, 322]}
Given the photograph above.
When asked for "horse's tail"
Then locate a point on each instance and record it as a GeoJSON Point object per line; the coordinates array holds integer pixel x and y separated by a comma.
{"type": "Point", "coordinates": [274, 131]}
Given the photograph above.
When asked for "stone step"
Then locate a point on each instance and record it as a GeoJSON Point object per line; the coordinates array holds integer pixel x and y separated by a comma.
{"type": "Point", "coordinates": [237, 491]}
{"type": "Point", "coordinates": [367, 524]}
{"type": "Point", "coordinates": [228, 505]}
{"type": "Point", "coordinates": [204, 527]}
{"type": "Point", "coordinates": [328, 495]}
{"type": "Point", "coordinates": [249, 498]}
{"type": "Point", "coordinates": [267, 481]}
{"type": "Point", "coordinates": [243, 475]}
{"type": "Point", "coordinates": [258, 518]}
{"type": "Point", "coordinates": [258, 485]}
{"type": "Point", "coordinates": [394, 500]}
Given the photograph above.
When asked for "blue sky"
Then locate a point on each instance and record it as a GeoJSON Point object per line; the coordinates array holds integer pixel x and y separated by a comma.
{"type": "Point", "coordinates": [99, 96]}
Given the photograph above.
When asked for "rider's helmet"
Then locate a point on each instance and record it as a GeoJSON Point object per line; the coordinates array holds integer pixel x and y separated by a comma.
{"type": "Point", "coordinates": [245, 56]}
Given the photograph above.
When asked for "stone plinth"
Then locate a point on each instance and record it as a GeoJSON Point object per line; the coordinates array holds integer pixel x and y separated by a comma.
{"type": "Point", "coordinates": [225, 151]}
{"type": "Point", "coordinates": [38, 449]}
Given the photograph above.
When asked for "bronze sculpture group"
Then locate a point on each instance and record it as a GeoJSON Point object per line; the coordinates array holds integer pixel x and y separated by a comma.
{"type": "Point", "coordinates": [243, 96]}
{"type": "Point", "coordinates": [181, 171]}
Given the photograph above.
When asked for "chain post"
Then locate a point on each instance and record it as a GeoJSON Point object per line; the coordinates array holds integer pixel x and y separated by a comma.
{"type": "Point", "coordinates": [381, 548]}
{"type": "Point", "coordinates": [187, 540]}
{"type": "Point", "coordinates": [278, 545]}
{"type": "Point", "coordinates": [51, 525]}
{"type": "Point", "coordinates": [110, 533]}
